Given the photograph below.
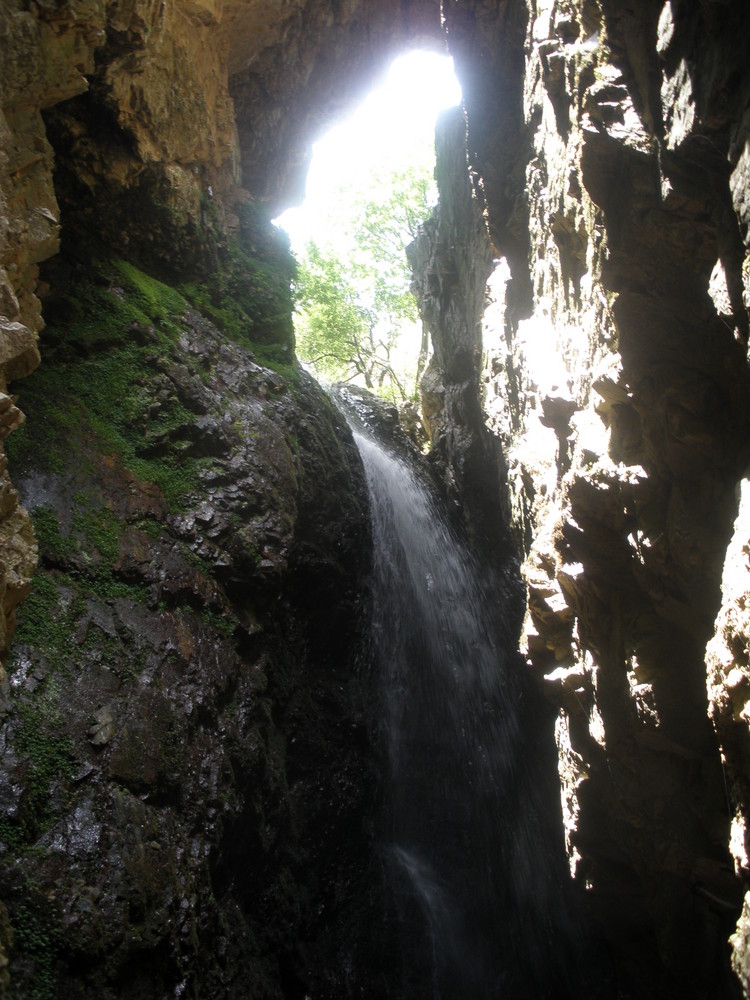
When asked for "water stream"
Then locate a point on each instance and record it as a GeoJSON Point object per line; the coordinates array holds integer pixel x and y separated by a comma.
{"type": "Point", "coordinates": [470, 839]}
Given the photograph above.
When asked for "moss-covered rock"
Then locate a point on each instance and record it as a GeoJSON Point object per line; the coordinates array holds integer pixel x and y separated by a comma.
{"type": "Point", "coordinates": [183, 686]}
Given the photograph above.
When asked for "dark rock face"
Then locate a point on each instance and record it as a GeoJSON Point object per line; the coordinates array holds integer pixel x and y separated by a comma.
{"type": "Point", "coordinates": [185, 770]}
{"type": "Point", "coordinates": [619, 160]}
{"type": "Point", "coordinates": [487, 44]}
{"type": "Point", "coordinates": [176, 618]}
{"type": "Point", "coordinates": [451, 261]}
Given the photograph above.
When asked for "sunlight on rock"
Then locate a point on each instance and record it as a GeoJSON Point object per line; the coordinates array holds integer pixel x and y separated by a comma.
{"type": "Point", "coordinates": [572, 775]}
{"type": "Point", "coordinates": [737, 843]}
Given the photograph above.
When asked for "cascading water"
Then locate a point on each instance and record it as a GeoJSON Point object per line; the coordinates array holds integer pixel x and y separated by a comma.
{"type": "Point", "coordinates": [472, 855]}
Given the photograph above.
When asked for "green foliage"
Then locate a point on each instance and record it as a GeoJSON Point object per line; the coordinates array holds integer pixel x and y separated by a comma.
{"type": "Point", "coordinates": [47, 530]}
{"type": "Point", "coordinates": [249, 295]}
{"type": "Point", "coordinates": [96, 385]}
{"type": "Point", "coordinates": [100, 531]}
{"type": "Point", "coordinates": [37, 939]}
{"type": "Point", "coordinates": [44, 623]}
{"type": "Point", "coordinates": [41, 738]}
{"type": "Point", "coordinates": [334, 329]}
{"type": "Point", "coordinates": [354, 307]}
{"type": "Point", "coordinates": [385, 226]}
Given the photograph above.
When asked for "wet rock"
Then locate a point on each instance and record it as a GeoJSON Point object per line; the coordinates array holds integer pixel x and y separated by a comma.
{"type": "Point", "coordinates": [103, 727]}
{"type": "Point", "coordinates": [185, 682]}
{"type": "Point", "coordinates": [611, 144]}
{"type": "Point", "coordinates": [607, 179]}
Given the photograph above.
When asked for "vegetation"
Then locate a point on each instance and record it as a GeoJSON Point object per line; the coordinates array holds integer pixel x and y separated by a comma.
{"type": "Point", "coordinates": [113, 443]}
{"type": "Point", "coordinates": [248, 294]}
{"type": "Point", "coordinates": [354, 305]}
{"type": "Point", "coordinates": [37, 938]}
{"type": "Point", "coordinates": [103, 368]}
{"type": "Point", "coordinates": [41, 737]}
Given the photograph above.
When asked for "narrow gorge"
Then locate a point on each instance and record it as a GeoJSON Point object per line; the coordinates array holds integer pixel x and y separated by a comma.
{"type": "Point", "coordinates": [193, 793]}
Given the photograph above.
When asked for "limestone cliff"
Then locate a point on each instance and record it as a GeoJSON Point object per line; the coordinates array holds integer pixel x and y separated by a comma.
{"type": "Point", "coordinates": [184, 705]}
{"type": "Point", "coordinates": [606, 146]}
{"type": "Point", "coordinates": [616, 373]}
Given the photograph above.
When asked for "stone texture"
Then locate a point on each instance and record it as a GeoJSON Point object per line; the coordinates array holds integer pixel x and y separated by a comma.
{"type": "Point", "coordinates": [728, 679]}
{"type": "Point", "coordinates": [620, 390]}
{"type": "Point", "coordinates": [136, 96]}
{"type": "Point", "coordinates": [451, 260]}
{"type": "Point", "coordinates": [609, 150]}
{"type": "Point", "coordinates": [182, 727]}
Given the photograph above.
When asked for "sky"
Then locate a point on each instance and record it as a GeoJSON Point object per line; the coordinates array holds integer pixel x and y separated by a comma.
{"type": "Point", "coordinates": [393, 126]}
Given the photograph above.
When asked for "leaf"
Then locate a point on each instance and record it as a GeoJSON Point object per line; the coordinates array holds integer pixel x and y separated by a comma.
{"type": "Point", "coordinates": [353, 309]}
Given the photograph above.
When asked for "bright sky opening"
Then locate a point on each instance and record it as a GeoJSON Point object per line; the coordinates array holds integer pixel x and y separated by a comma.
{"type": "Point", "coordinates": [393, 127]}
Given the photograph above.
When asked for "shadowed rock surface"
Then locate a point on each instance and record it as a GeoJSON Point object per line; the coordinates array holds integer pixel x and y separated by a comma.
{"type": "Point", "coordinates": [182, 725]}
{"type": "Point", "coordinates": [588, 400]}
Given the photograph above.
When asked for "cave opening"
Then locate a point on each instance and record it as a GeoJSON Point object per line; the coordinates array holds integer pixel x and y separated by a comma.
{"type": "Point", "coordinates": [370, 186]}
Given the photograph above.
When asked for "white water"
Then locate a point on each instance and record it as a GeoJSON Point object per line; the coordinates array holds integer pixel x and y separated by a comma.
{"type": "Point", "coordinates": [470, 840]}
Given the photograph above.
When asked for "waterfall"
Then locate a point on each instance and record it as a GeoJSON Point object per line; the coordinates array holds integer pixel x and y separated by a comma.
{"type": "Point", "coordinates": [470, 840]}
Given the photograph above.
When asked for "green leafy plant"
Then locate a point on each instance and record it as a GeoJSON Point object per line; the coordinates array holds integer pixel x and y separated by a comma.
{"type": "Point", "coordinates": [354, 307]}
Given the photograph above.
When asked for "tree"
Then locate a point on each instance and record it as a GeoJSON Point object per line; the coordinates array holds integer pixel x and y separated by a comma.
{"type": "Point", "coordinates": [354, 305]}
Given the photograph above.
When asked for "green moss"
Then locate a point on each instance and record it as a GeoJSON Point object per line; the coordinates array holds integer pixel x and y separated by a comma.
{"type": "Point", "coordinates": [43, 620]}
{"type": "Point", "coordinates": [153, 529]}
{"type": "Point", "coordinates": [249, 300]}
{"type": "Point", "coordinates": [105, 356]}
{"type": "Point", "coordinates": [94, 540]}
{"type": "Point", "coordinates": [39, 737]}
{"type": "Point", "coordinates": [280, 359]}
{"type": "Point", "coordinates": [222, 624]}
{"type": "Point", "coordinates": [293, 442]}
{"type": "Point", "coordinates": [249, 295]}
{"type": "Point", "coordinates": [21, 447]}
{"type": "Point", "coordinates": [100, 532]}
{"type": "Point", "coordinates": [113, 299]}
{"type": "Point", "coordinates": [107, 589]}
{"type": "Point", "coordinates": [47, 529]}
{"type": "Point", "coordinates": [93, 395]}
{"type": "Point", "coordinates": [50, 617]}
{"type": "Point", "coordinates": [156, 300]}
{"type": "Point", "coordinates": [95, 532]}
{"type": "Point", "coordinates": [37, 940]}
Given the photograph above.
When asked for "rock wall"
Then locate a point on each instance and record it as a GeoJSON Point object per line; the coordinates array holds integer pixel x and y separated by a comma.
{"type": "Point", "coordinates": [616, 373]}
{"type": "Point", "coordinates": [607, 151]}
{"type": "Point", "coordinates": [451, 261]}
{"type": "Point", "coordinates": [186, 776]}
{"type": "Point", "coordinates": [186, 769]}
{"type": "Point", "coordinates": [158, 112]}
{"type": "Point", "coordinates": [608, 154]}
